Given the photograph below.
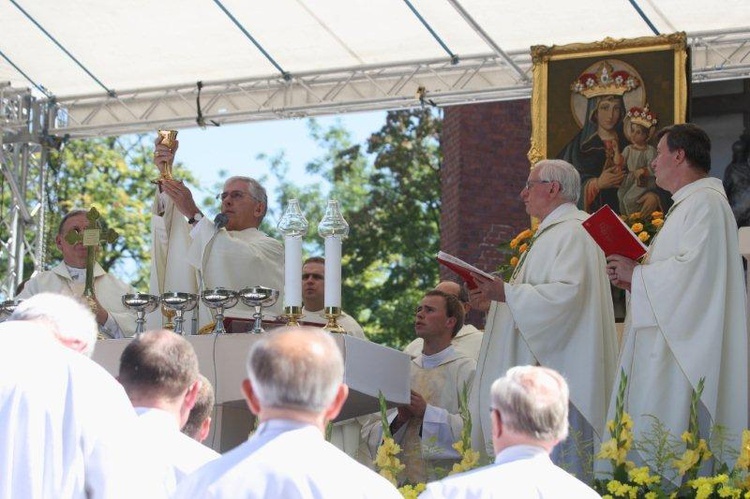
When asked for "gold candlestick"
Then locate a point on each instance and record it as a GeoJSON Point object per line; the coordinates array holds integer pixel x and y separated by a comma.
{"type": "Point", "coordinates": [293, 314]}
{"type": "Point", "coordinates": [332, 326]}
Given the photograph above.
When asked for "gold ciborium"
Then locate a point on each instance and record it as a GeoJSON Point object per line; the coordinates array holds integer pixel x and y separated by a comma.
{"type": "Point", "coordinates": [166, 138]}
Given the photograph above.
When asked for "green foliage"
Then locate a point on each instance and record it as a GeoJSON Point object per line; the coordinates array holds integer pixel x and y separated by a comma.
{"type": "Point", "coordinates": [114, 175]}
{"type": "Point", "coordinates": [389, 190]}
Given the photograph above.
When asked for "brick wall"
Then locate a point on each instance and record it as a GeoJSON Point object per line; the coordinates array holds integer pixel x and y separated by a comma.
{"type": "Point", "coordinates": [484, 169]}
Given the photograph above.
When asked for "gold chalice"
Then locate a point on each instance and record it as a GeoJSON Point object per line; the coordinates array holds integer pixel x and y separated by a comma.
{"type": "Point", "coordinates": [166, 138]}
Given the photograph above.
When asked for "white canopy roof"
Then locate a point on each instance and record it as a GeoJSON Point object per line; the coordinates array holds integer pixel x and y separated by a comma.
{"type": "Point", "coordinates": [122, 66]}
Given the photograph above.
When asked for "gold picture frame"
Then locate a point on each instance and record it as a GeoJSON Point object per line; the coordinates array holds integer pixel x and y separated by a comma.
{"type": "Point", "coordinates": [569, 80]}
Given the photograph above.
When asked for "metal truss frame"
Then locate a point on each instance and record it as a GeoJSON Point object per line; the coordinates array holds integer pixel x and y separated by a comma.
{"type": "Point", "coordinates": [718, 55]}
{"type": "Point", "coordinates": [28, 124]}
{"type": "Point", "coordinates": [23, 162]}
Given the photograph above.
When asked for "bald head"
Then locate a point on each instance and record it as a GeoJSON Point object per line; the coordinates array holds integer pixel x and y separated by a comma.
{"type": "Point", "coordinates": [299, 369]}
{"type": "Point", "coordinates": [455, 289]}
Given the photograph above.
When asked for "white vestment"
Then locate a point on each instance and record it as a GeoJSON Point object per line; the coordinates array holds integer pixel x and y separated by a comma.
{"type": "Point", "coordinates": [427, 442]}
{"type": "Point", "coordinates": [108, 290]}
{"type": "Point", "coordinates": [558, 314]}
{"type": "Point", "coordinates": [467, 341]}
{"type": "Point", "coordinates": [230, 259]}
{"type": "Point", "coordinates": [162, 436]}
{"type": "Point", "coordinates": [520, 472]}
{"type": "Point", "coordinates": [687, 319]}
{"type": "Point", "coordinates": [67, 429]}
{"type": "Point", "coordinates": [346, 321]}
{"type": "Point", "coordinates": [285, 459]}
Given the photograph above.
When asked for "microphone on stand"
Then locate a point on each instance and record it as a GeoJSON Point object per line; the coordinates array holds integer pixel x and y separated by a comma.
{"type": "Point", "coordinates": [220, 221]}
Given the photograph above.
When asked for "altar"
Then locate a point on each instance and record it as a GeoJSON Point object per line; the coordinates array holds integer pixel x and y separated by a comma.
{"type": "Point", "coordinates": [368, 368]}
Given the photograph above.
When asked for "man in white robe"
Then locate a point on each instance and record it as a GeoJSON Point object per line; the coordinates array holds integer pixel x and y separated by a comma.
{"type": "Point", "coordinates": [66, 426]}
{"type": "Point", "coordinates": [159, 371]}
{"type": "Point", "coordinates": [686, 317]}
{"type": "Point", "coordinates": [529, 417]}
{"type": "Point", "coordinates": [313, 295]}
{"type": "Point", "coordinates": [69, 277]}
{"type": "Point", "coordinates": [191, 254]}
{"type": "Point", "coordinates": [427, 428]}
{"type": "Point", "coordinates": [468, 340]}
{"type": "Point", "coordinates": [294, 386]}
{"type": "Point", "coordinates": [556, 311]}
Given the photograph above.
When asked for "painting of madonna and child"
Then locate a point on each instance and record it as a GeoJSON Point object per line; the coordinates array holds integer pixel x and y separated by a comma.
{"type": "Point", "coordinates": [599, 107]}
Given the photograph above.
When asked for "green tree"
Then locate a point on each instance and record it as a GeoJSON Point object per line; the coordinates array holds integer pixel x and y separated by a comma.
{"type": "Point", "coordinates": [389, 189]}
{"type": "Point", "coordinates": [113, 175]}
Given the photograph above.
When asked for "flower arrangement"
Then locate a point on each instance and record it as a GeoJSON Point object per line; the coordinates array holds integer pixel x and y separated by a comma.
{"type": "Point", "coordinates": [387, 461]}
{"type": "Point", "coordinates": [627, 481]}
{"type": "Point", "coordinates": [514, 250]}
{"type": "Point", "coordinates": [645, 226]}
{"type": "Point", "coordinates": [469, 457]}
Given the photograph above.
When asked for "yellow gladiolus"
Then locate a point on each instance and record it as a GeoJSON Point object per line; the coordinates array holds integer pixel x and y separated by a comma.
{"type": "Point", "coordinates": [636, 227]}
{"type": "Point", "coordinates": [743, 461]}
{"type": "Point", "coordinates": [643, 236]}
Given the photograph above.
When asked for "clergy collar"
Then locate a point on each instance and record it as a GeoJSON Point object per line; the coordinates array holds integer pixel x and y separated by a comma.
{"type": "Point", "coordinates": [554, 215]}
{"type": "Point", "coordinates": [438, 359]}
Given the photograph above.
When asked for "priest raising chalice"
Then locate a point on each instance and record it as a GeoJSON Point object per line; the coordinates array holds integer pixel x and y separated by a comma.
{"type": "Point", "coordinates": [78, 237]}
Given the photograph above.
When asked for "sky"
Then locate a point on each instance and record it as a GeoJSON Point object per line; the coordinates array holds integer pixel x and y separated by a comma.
{"type": "Point", "coordinates": [235, 147]}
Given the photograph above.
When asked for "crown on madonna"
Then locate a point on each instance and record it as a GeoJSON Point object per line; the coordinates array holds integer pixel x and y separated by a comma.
{"type": "Point", "coordinates": [605, 81]}
{"type": "Point", "coordinates": [642, 116]}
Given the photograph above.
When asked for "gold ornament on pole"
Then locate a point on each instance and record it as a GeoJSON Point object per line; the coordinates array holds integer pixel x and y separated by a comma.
{"type": "Point", "coordinates": [91, 237]}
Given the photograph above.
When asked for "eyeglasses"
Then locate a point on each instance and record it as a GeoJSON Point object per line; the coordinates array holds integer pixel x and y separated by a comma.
{"type": "Point", "coordinates": [530, 183]}
{"type": "Point", "coordinates": [233, 195]}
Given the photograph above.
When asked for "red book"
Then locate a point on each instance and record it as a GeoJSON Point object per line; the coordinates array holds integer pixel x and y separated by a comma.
{"type": "Point", "coordinates": [612, 235]}
{"type": "Point", "coordinates": [461, 268]}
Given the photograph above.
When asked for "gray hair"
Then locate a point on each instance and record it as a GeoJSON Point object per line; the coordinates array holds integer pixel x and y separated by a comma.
{"type": "Point", "coordinates": [68, 215]}
{"type": "Point", "coordinates": [533, 401]}
{"type": "Point", "coordinates": [562, 172]}
{"type": "Point", "coordinates": [299, 369]}
{"type": "Point", "coordinates": [66, 317]}
{"type": "Point", "coordinates": [257, 191]}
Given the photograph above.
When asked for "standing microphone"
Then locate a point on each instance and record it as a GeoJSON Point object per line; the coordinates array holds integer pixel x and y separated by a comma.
{"type": "Point", "coordinates": [221, 221]}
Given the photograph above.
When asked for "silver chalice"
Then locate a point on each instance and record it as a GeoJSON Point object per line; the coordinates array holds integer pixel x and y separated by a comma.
{"type": "Point", "coordinates": [219, 299]}
{"type": "Point", "coordinates": [258, 297]}
{"type": "Point", "coordinates": [180, 303]}
{"type": "Point", "coordinates": [143, 304]}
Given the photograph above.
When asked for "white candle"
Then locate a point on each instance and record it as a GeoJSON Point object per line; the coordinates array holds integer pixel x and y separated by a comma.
{"type": "Point", "coordinates": [292, 271]}
{"type": "Point", "coordinates": [333, 272]}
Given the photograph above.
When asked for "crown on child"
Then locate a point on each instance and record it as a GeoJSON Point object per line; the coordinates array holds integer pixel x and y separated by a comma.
{"type": "Point", "coordinates": [606, 81]}
{"type": "Point", "coordinates": [642, 116]}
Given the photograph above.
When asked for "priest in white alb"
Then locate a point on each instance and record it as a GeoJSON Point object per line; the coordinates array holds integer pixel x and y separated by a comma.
{"type": "Point", "coordinates": [192, 253]}
{"type": "Point", "coordinates": [686, 316]}
{"type": "Point", "coordinates": [556, 311]}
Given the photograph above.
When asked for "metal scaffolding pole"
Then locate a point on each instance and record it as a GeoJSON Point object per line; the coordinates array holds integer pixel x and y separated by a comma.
{"type": "Point", "coordinates": [23, 159]}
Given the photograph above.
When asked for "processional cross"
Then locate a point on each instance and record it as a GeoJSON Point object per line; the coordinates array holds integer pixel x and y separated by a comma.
{"type": "Point", "coordinates": [91, 237]}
